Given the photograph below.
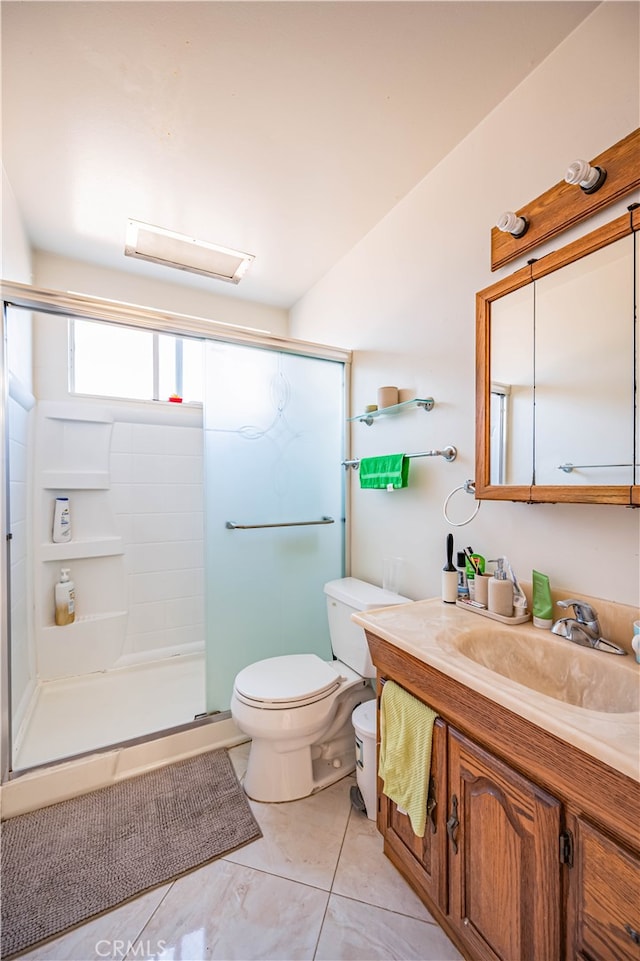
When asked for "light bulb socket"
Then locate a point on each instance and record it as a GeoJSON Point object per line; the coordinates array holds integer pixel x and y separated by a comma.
{"type": "Point", "coordinates": [596, 183]}
{"type": "Point", "coordinates": [510, 223]}
{"type": "Point", "coordinates": [583, 175]}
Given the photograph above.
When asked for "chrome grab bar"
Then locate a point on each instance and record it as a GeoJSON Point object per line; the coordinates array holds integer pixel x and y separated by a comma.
{"type": "Point", "coordinates": [567, 468]}
{"type": "Point", "coordinates": [231, 526]}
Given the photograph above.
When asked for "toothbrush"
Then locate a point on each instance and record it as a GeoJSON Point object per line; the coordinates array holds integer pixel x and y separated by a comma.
{"type": "Point", "coordinates": [472, 560]}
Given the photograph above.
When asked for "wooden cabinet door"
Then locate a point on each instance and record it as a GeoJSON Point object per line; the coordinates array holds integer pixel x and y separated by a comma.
{"type": "Point", "coordinates": [505, 894]}
{"type": "Point", "coordinates": [423, 860]}
{"type": "Point", "coordinates": [604, 902]}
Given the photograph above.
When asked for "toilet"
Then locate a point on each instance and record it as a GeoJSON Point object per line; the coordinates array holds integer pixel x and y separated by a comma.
{"type": "Point", "coordinates": [297, 708]}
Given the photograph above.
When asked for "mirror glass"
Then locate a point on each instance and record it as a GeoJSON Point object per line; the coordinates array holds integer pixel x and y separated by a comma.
{"type": "Point", "coordinates": [584, 359]}
{"type": "Point", "coordinates": [560, 374]}
{"type": "Point", "coordinates": [511, 401]}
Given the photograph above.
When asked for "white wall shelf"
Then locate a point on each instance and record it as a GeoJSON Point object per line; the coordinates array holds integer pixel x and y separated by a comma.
{"type": "Point", "coordinates": [95, 547]}
{"type": "Point", "coordinates": [85, 619]}
{"type": "Point", "coordinates": [426, 403]}
{"type": "Point", "coordinates": [75, 480]}
{"type": "Point", "coordinates": [72, 445]}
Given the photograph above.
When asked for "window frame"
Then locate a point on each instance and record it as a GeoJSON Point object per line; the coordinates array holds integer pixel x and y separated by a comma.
{"type": "Point", "coordinates": [178, 364]}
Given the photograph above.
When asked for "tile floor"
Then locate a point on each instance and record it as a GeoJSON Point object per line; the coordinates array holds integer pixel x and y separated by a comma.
{"type": "Point", "coordinates": [315, 886]}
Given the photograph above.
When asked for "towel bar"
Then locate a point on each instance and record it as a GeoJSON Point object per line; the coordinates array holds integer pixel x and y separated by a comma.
{"type": "Point", "coordinates": [567, 468]}
{"type": "Point", "coordinates": [449, 453]}
{"type": "Point", "coordinates": [231, 526]}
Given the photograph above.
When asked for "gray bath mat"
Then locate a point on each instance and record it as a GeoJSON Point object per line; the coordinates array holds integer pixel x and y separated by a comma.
{"type": "Point", "coordinates": [65, 863]}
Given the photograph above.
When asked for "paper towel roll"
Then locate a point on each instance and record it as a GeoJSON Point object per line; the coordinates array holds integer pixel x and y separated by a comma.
{"type": "Point", "coordinates": [387, 396]}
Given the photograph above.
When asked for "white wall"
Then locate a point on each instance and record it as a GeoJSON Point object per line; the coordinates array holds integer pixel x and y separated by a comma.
{"type": "Point", "coordinates": [403, 300]}
{"type": "Point", "coordinates": [16, 251]}
{"type": "Point", "coordinates": [60, 273]}
{"type": "Point", "coordinates": [154, 496]}
{"type": "Point", "coordinates": [157, 498]}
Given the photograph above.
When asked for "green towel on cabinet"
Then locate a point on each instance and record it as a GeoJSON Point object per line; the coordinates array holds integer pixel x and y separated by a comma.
{"type": "Point", "coordinates": [404, 764]}
{"type": "Point", "coordinates": [380, 473]}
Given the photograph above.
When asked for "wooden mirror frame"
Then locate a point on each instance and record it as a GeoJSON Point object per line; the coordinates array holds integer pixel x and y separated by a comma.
{"type": "Point", "coordinates": [624, 494]}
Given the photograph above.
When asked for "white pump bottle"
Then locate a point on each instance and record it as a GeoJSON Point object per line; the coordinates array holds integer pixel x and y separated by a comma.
{"type": "Point", "coordinates": [65, 597]}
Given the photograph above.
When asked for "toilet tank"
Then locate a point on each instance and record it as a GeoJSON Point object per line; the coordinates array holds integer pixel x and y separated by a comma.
{"type": "Point", "coordinates": [348, 642]}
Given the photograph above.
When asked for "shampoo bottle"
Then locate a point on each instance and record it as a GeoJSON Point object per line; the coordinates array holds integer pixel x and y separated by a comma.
{"type": "Point", "coordinates": [61, 521]}
{"type": "Point", "coordinates": [501, 591]}
{"type": "Point", "coordinates": [65, 597]}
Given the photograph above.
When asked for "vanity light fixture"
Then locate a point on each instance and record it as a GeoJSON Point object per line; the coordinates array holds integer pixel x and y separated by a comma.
{"type": "Point", "coordinates": [166, 247]}
{"type": "Point", "coordinates": [588, 178]}
{"type": "Point", "coordinates": [510, 223]}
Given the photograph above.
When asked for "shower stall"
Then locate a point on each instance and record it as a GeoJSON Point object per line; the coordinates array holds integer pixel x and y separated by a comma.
{"type": "Point", "coordinates": [202, 533]}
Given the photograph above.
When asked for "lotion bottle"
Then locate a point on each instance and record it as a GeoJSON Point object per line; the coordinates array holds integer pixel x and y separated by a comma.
{"type": "Point", "coordinates": [501, 591]}
{"type": "Point", "coordinates": [542, 602]}
{"type": "Point", "coordinates": [65, 597]}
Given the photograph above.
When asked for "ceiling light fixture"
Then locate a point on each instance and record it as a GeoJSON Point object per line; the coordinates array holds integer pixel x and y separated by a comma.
{"type": "Point", "coordinates": [588, 178]}
{"type": "Point", "coordinates": [166, 247]}
{"type": "Point", "coordinates": [510, 223]}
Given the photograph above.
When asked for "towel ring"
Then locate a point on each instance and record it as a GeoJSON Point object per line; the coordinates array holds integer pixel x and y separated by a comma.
{"type": "Point", "coordinates": [469, 487]}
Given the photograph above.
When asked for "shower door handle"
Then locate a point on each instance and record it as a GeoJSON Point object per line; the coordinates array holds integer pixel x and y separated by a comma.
{"type": "Point", "coordinates": [232, 526]}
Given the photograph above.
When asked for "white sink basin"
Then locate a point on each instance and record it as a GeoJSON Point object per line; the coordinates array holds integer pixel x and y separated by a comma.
{"type": "Point", "coordinates": [558, 668]}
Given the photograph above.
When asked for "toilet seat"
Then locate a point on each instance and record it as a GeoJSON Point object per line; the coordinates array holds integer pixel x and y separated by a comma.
{"type": "Point", "coordinates": [291, 680]}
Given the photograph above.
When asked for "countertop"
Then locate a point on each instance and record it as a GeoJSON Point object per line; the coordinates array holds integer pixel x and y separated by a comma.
{"type": "Point", "coordinates": [431, 631]}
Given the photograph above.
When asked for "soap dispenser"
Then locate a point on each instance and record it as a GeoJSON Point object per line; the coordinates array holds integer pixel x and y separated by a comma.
{"type": "Point", "coordinates": [65, 598]}
{"type": "Point", "coordinates": [501, 591]}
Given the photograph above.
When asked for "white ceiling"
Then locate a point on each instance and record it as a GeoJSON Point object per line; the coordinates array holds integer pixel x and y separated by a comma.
{"type": "Point", "coordinates": [283, 129]}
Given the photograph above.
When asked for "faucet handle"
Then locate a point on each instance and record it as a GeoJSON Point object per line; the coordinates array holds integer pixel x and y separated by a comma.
{"type": "Point", "coordinates": [583, 611]}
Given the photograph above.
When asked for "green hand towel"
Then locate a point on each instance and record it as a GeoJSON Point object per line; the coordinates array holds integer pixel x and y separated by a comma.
{"type": "Point", "coordinates": [406, 733]}
{"type": "Point", "coordinates": [378, 473]}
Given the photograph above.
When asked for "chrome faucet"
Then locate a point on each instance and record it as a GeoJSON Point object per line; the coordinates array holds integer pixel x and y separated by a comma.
{"type": "Point", "coordinates": [583, 628]}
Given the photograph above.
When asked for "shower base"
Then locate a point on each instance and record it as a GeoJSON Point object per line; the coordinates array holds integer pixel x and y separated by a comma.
{"type": "Point", "coordinates": [75, 715]}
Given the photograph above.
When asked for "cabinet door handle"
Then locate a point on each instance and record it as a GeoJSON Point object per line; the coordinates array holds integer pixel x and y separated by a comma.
{"type": "Point", "coordinates": [453, 823]}
{"type": "Point", "coordinates": [432, 804]}
{"type": "Point", "coordinates": [633, 934]}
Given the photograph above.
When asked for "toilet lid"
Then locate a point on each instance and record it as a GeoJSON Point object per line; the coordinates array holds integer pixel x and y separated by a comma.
{"type": "Point", "coordinates": [293, 679]}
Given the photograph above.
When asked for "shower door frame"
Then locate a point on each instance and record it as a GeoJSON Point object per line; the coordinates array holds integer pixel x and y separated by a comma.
{"type": "Point", "coordinates": [74, 307]}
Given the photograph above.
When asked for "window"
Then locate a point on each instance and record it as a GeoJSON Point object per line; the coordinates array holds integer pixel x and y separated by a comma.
{"type": "Point", "coordinates": [498, 435]}
{"type": "Point", "coordinates": [114, 361]}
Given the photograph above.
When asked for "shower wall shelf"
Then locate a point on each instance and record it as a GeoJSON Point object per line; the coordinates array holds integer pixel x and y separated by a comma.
{"type": "Point", "coordinates": [426, 403]}
{"type": "Point", "coordinates": [72, 445]}
{"type": "Point", "coordinates": [96, 547]}
{"type": "Point", "coordinates": [75, 480]}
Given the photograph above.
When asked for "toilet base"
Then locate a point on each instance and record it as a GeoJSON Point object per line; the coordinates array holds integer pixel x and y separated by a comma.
{"type": "Point", "coordinates": [288, 770]}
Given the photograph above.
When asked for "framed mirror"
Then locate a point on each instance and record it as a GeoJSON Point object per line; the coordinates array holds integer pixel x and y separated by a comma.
{"type": "Point", "coordinates": [557, 372]}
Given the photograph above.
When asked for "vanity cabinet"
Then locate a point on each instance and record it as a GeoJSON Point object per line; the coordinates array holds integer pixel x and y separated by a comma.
{"type": "Point", "coordinates": [504, 871]}
{"type": "Point", "coordinates": [531, 852]}
{"type": "Point", "coordinates": [487, 857]}
{"type": "Point", "coordinates": [424, 859]}
{"type": "Point", "coordinates": [604, 907]}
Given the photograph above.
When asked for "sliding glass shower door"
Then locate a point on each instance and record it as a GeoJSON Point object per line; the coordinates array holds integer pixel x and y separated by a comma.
{"type": "Point", "coordinates": [274, 506]}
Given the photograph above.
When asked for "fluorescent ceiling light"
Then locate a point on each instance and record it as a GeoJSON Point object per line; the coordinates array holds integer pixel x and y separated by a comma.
{"type": "Point", "coordinates": [166, 247]}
